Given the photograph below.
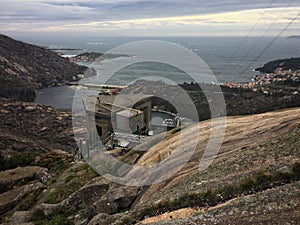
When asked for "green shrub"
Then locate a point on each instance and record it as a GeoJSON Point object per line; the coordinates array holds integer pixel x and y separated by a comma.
{"type": "Point", "coordinates": [296, 170]}
{"type": "Point", "coordinates": [261, 180]}
{"type": "Point", "coordinates": [57, 196]}
{"type": "Point", "coordinates": [70, 178]}
{"type": "Point", "coordinates": [82, 167]}
{"type": "Point", "coordinates": [30, 200]}
{"type": "Point", "coordinates": [55, 220]}
{"type": "Point", "coordinates": [57, 217]}
{"type": "Point", "coordinates": [53, 162]}
{"type": "Point", "coordinates": [246, 185]}
{"type": "Point", "coordinates": [229, 192]}
{"type": "Point", "coordinates": [20, 159]}
{"type": "Point", "coordinates": [10, 90]}
{"type": "Point", "coordinates": [283, 177]}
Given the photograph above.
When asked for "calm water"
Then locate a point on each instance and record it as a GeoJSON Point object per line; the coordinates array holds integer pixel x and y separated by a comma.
{"type": "Point", "coordinates": [230, 59]}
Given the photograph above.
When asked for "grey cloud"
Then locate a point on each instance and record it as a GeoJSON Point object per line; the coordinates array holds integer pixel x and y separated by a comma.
{"type": "Point", "coordinates": [163, 8]}
{"type": "Point", "coordinates": [105, 10]}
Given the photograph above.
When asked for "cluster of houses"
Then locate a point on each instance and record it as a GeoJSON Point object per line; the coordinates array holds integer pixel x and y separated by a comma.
{"type": "Point", "coordinates": [278, 76]}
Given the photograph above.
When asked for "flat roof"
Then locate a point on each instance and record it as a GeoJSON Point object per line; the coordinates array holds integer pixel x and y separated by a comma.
{"type": "Point", "coordinates": [104, 86]}
{"type": "Point", "coordinates": [129, 113]}
{"type": "Point", "coordinates": [106, 104]}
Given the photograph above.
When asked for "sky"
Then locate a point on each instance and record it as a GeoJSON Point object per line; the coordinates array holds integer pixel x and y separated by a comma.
{"type": "Point", "coordinates": [151, 17]}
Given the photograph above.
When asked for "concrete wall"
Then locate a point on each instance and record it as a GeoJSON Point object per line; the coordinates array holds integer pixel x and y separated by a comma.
{"type": "Point", "coordinates": [146, 108]}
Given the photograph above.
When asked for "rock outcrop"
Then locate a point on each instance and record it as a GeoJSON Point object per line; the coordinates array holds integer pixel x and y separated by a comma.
{"type": "Point", "coordinates": [17, 184]}
{"type": "Point", "coordinates": [276, 206]}
{"type": "Point", "coordinates": [251, 143]}
{"type": "Point", "coordinates": [21, 176]}
{"type": "Point", "coordinates": [11, 198]}
{"type": "Point", "coordinates": [265, 142]}
{"type": "Point", "coordinates": [35, 128]}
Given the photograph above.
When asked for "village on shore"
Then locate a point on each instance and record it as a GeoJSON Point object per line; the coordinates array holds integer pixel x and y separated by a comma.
{"type": "Point", "coordinates": [280, 75]}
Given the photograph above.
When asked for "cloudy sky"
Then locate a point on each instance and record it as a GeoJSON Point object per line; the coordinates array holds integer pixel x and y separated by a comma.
{"type": "Point", "coordinates": [151, 17]}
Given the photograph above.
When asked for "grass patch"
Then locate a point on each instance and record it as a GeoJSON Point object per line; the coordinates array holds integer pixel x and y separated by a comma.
{"type": "Point", "coordinates": [77, 178]}
{"type": "Point", "coordinates": [30, 200]}
{"type": "Point", "coordinates": [59, 216]}
{"type": "Point", "coordinates": [70, 178]}
{"type": "Point", "coordinates": [82, 167]}
{"type": "Point", "coordinates": [20, 159]}
{"type": "Point", "coordinates": [80, 176]}
{"type": "Point", "coordinates": [53, 162]}
{"type": "Point", "coordinates": [57, 196]}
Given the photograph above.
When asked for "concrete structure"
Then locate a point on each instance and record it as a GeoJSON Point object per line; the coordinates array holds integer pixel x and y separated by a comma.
{"type": "Point", "coordinates": [109, 113]}
{"type": "Point", "coordinates": [130, 120]}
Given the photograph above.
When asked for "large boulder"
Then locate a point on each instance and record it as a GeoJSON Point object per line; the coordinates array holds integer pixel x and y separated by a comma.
{"type": "Point", "coordinates": [105, 219]}
{"type": "Point", "coordinates": [12, 198]}
{"type": "Point", "coordinates": [86, 196]}
{"type": "Point", "coordinates": [117, 198]}
{"type": "Point", "coordinates": [20, 217]}
{"type": "Point", "coordinates": [22, 175]}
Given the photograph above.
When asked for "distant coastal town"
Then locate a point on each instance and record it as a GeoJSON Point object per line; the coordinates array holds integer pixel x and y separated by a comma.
{"type": "Point", "coordinates": [280, 75]}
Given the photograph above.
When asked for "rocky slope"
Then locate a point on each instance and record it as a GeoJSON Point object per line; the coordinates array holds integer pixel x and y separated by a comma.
{"type": "Point", "coordinates": [24, 67]}
{"type": "Point", "coordinates": [29, 129]}
{"type": "Point", "coordinates": [256, 149]}
{"type": "Point", "coordinates": [269, 144]}
{"type": "Point", "coordinates": [274, 206]}
{"type": "Point", "coordinates": [253, 180]}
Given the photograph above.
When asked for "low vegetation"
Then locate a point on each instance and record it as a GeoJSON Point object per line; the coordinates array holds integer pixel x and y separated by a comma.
{"type": "Point", "coordinates": [238, 101]}
{"type": "Point", "coordinates": [26, 67]}
{"type": "Point", "coordinates": [10, 90]}
{"type": "Point", "coordinates": [258, 182]}
{"type": "Point", "coordinates": [53, 162]}
{"type": "Point", "coordinates": [73, 181]}
{"type": "Point", "coordinates": [30, 200]}
{"type": "Point", "coordinates": [58, 195]}
{"type": "Point", "coordinates": [59, 216]}
{"type": "Point", "coordinates": [20, 159]}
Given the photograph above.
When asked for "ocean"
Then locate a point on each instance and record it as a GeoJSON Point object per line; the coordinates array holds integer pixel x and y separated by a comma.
{"type": "Point", "coordinates": [231, 59]}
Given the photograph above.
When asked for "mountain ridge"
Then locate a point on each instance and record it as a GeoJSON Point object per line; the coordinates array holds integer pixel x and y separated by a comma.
{"type": "Point", "coordinates": [25, 67]}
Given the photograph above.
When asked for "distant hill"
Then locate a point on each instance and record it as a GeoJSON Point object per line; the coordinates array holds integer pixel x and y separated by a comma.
{"type": "Point", "coordinates": [25, 67]}
{"type": "Point", "coordinates": [286, 64]}
{"type": "Point", "coordinates": [93, 56]}
{"type": "Point", "coordinates": [294, 37]}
